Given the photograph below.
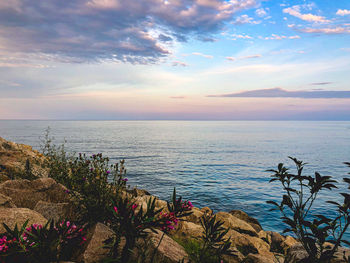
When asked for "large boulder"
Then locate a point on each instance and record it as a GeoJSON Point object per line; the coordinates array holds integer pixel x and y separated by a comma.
{"type": "Point", "coordinates": [186, 230]}
{"type": "Point", "coordinates": [14, 157]}
{"type": "Point", "coordinates": [236, 224]}
{"type": "Point", "coordinates": [6, 202]}
{"type": "Point", "coordinates": [166, 251]}
{"type": "Point", "coordinates": [55, 211]}
{"type": "Point", "coordinates": [94, 251]}
{"type": "Point", "coordinates": [13, 216]}
{"type": "Point", "coordinates": [25, 193]}
{"type": "Point", "coordinates": [245, 217]}
{"type": "Point", "coordinates": [297, 254]}
{"type": "Point", "coordinates": [195, 217]}
{"type": "Point", "coordinates": [257, 258]}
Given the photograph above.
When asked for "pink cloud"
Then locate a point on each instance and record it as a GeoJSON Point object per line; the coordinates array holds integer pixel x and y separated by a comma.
{"type": "Point", "coordinates": [295, 11]}
{"type": "Point", "coordinates": [343, 12]}
{"type": "Point", "coordinates": [327, 30]}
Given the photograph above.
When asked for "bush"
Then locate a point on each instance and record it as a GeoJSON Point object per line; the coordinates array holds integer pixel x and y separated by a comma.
{"type": "Point", "coordinates": [131, 223]}
{"type": "Point", "coordinates": [92, 181]}
{"type": "Point", "coordinates": [313, 230]}
{"type": "Point", "coordinates": [49, 243]}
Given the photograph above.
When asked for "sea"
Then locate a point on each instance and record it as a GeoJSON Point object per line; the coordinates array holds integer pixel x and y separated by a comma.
{"type": "Point", "coordinates": [219, 164]}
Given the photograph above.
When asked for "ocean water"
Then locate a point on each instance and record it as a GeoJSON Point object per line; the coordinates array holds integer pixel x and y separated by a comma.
{"type": "Point", "coordinates": [220, 164]}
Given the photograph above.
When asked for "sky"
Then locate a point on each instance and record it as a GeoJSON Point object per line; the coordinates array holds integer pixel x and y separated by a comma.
{"type": "Point", "coordinates": [175, 59]}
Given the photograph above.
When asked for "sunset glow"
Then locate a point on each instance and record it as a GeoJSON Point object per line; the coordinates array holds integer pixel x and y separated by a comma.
{"type": "Point", "coordinates": [175, 59]}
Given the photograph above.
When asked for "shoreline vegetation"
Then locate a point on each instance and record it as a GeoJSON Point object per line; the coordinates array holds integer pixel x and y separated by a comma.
{"type": "Point", "coordinates": [57, 207]}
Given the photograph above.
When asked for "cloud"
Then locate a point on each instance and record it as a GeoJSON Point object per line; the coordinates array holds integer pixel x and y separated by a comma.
{"type": "Point", "coordinates": [245, 19]}
{"type": "Point", "coordinates": [179, 63]}
{"type": "Point", "coordinates": [244, 57]}
{"type": "Point", "coordinates": [326, 30]}
{"type": "Point", "coordinates": [261, 12]}
{"type": "Point", "coordinates": [320, 83]}
{"type": "Point", "coordinates": [202, 55]}
{"type": "Point", "coordinates": [281, 93]}
{"type": "Point", "coordinates": [343, 12]}
{"type": "Point", "coordinates": [251, 56]}
{"type": "Point", "coordinates": [280, 37]}
{"type": "Point", "coordinates": [177, 97]}
{"type": "Point", "coordinates": [295, 11]}
{"type": "Point", "coordinates": [99, 30]}
{"type": "Point", "coordinates": [238, 36]}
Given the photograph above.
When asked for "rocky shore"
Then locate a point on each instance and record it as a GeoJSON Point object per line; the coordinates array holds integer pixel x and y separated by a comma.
{"type": "Point", "coordinates": [42, 199]}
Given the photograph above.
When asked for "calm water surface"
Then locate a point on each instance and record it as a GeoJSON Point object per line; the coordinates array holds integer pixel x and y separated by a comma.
{"type": "Point", "coordinates": [215, 163]}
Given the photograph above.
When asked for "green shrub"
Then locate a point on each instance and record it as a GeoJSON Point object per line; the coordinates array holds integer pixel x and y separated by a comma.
{"type": "Point", "coordinates": [52, 242]}
{"type": "Point", "coordinates": [132, 222]}
{"type": "Point", "coordinates": [92, 181]}
{"type": "Point", "coordinates": [313, 230]}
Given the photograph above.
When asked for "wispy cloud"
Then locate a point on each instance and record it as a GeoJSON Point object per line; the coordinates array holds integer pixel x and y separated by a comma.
{"type": "Point", "coordinates": [177, 97]}
{"type": "Point", "coordinates": [343, 12]}
{"type": "Point", "coordinates": [244, 57]}
{"type": "Point", "coordinates": [281, 93]}
{"type": "Point", "coordinates": [202, 55]}
{"type": "Point", "coordinates": [179, 63]}
{"type": "Point", "coordinates": [320, 83]}
{"type": "Point", "coordinates": [280, 37]}
{"type": "Point", "coordinates": [296, 11]}
{"type": "Point", "coordinates": [239, 36]}
{"type": "Point", "coordinates": [326, 30]}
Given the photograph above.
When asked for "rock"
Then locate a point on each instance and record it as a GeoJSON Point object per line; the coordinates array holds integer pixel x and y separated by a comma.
{"type": "Point", "coordinates": [11, 216]}
{"type": "Point", "coordinates": [94, 251]}
{"type": "Point", "coordinates": [187, 230]}
{"type": "Point", "coordinates": [241, 242]}
{"type": "Point", "coordinates": [235, 223]}
{"type": "Point", "coordinates": [25, 193]}
{"type": "Point", "coordinates": [161, 204]}
{"type": "Point", "coordinates": [138, 192]}
{"type": "Point", "coordinates": [297, 254]}
{"type": "Point", "coordinates": [256, 258]}
{"type": "Point", "coordinates": [168, 250]}
{"type": "Point", "coordinates": [13, 158]}
{"type": "Point", "coordinates": [265, 236]}
{"type": "Point", "coordinates": [238, 257]}
{"type": "Point", "coordinates": [195, 217]}
{"type": "Point", "coordinates": [277, 241]}
{"type": "Point", "coordinates": [247, 244]}
{"type": "Point", "coordinates": [340, 254]}
{"type": "Point", "coordinates": [55, 211]}
{"type": "Point", "coordinates": [287, 243]}
{"type": "Point", "coordinates": [206, 210]}
{"type": "Point", "coordinates": [6, 201]}
{"type": "Point", "coordinates": [262, 246]}
{"type": "Point", "coordinates": [245, 217]}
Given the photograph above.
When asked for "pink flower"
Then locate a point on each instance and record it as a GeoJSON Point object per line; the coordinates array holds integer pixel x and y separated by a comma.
{"type": "Point", "coordinates": [115, 209]}
{"type": "Point", "coordinates": [134, 206]}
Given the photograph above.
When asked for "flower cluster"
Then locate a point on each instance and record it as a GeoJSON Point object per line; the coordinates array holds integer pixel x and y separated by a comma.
{"type": "Point", "coordinates": [171, 221]}
{"type": "Point", "coordinates": [27, 240]}
{"type": "Point", "coordinates": [4, 244]}
{"type": "Point", "coordinates": [187, 206]}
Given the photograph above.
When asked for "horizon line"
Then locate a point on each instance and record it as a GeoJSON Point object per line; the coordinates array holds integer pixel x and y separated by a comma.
{"type": "Point", "coordinates": [175, 120]}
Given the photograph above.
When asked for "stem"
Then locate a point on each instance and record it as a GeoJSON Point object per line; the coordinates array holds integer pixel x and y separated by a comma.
{"type": "Point", "coordinates": [340, 237]}
{"type": "Point", "coordinates": [155, 250]}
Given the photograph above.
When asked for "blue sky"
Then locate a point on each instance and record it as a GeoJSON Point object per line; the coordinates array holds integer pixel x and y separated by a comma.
{"type": "Point", "coordinates": [175, 59]}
